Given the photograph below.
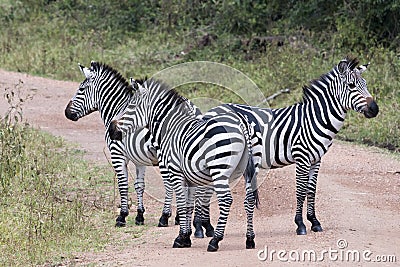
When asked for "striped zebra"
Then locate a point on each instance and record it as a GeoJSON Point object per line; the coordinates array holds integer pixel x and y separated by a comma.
{"type": "Point", "coordinates": [106, 90]}
{"type": "Point", "coordinates": [195, 152]}
{"type": "Point", "coordinates": [302, 133]}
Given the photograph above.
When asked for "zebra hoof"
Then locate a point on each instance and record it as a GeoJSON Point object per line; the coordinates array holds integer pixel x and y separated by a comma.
{"type": "Point", "coordinates": [139, 220]}
{"type": "Point", "coordinates": [301, 230]}
{"type": "Point", "coordinates": [163, 222]}
{"type": "Point", "coordinates": [209, 228]}
{"type": "Point", "coordinates": [120, 221]}
{"type": "Point", "coordinates": [198, 233]}
{"type": "Point", "coordinates": [198, 229]}
{"type": "Point", "coordinates": [182, 241]}
{"type": "Point", "coordinates": [213, 245]}
{"type": "Point", "coordinates": [316, 228]}
{"type": "Point", "coordinates": [315, 224]}
{"type": "Point", "coordinates": [250, 244]}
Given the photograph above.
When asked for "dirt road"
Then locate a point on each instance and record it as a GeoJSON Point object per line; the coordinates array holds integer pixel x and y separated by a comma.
{"type": "Point", "coordinates": [358, 202]}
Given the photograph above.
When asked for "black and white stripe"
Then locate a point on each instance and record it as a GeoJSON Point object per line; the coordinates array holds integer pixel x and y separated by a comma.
{"type": "Point", "coordinates": [302, 133]}
{"type": "Point", "coordinates": [191, 152]}
{"type": "Point", "coordinates": [106, 91]}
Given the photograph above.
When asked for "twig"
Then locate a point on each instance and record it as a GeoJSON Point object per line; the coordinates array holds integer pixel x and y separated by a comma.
{"type": "Point", "coordinates": [275, 95]}
{"type": "Point", "coordinates": [115, 175]}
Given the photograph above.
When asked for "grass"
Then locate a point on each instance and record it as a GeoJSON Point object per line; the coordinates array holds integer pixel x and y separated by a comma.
{"type": "Point", "coordinates": [53, 203]}
{"type": "Point", "coordinates": [54, 53]}
{"type": "Point", "coordinates": [47, 200]}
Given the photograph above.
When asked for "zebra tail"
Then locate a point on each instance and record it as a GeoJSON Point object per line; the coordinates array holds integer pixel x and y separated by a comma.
{"type": "Point", "coordinates": [251, 178]}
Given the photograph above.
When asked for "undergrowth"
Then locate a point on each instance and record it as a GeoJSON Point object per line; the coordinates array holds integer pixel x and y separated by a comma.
{"type": "Point", "coordinates": [53, 203]}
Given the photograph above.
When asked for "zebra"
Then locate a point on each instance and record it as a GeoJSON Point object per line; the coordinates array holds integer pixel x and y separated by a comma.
{"type": "Point", "coordinates": [106, 90]}
{"type": "Point", "coordinates": [302, 133]}
{"type": "Point", "coordinates": [195, 152]}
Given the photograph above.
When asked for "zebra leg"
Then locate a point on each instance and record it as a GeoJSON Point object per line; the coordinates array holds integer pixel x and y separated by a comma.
{"type": "Point", "coordinates": [139, 187]}
{"type": "Point", "coordinates": [251, 201]}
{"type": "Point", "coordinates": [205, 211]}
{"type": "Point", "coordinates": [189, 207]}
{"type": "Point", "coordinates": [249, 204]}
{"type": "Point", "coordinates": [224, 202]}
{"type": "Point", "coordinates": [302, 171]}
{"type": "Point", "coordinates": [197, 222]}
{"type": "Point", "coordinates": [182, 198]}
{"type": "Point", "coordinates": [166, 212]}
{"type": "Point", "coordinates": [312, 187]}
{"type": "Point", "coordinates": [122, 177]}
{"type": "Point", "coordinates": [202, 212]}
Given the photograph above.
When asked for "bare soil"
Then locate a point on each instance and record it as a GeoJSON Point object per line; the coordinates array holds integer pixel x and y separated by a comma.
{"type": "Point", "coordinates": [358, 201]}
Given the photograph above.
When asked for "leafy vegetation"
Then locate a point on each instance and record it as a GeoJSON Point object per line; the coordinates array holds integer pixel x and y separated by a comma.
{"type": "Point", "coordinates": [278, 44]}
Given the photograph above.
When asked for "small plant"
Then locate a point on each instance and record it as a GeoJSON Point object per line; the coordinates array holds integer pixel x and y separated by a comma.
{"type": "Point", "coordinates": [11, 137]}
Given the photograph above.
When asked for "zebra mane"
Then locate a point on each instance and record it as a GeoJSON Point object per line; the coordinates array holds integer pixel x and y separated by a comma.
{"type": "Point", "coordinates": [141, 80]}
{"type": "Point", "coordinates": [164, 89]}
{"type": "Point", "coordinates": [102, 67]}
{"type": "Point", "coordinates": [352, 62]}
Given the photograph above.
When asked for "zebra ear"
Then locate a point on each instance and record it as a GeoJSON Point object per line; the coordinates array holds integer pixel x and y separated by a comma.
{"type": "Point", "coordinates": [134, 84]}
{"type": "Point", "coordinates": [137, 87]}
{"type": "Point", "coordinates": [85, 71]}
{"type": "Point", "coordinates": [81, 67]}
{"type": "Point", "coordinates": [342, 66]}
{"type": "Point", "coordinates": [363, 68]}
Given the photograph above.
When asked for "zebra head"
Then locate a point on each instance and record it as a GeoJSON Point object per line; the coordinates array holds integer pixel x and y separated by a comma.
{"type": "Point", "coordinates": [354, 93]}
{"type": "Point", "coordinates": [135, 115]}
{"type": "Point", "coordinates": [85, 100]}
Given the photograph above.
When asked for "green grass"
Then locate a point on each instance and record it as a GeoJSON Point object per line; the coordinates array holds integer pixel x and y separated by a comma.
{"type": "Point", "coordinates": [46, 199]}
{"type": "Point", "coordinates": [53, 203]}
{"type": "Point", "coordinates": [51, 41]}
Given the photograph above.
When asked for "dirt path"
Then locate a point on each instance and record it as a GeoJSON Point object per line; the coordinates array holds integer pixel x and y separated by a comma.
{"type": "Point", "coordinates": [358, 201]}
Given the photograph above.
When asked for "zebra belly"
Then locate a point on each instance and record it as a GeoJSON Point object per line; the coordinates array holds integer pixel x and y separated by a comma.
{"type": "Point", "coordinates": [138, 148]}
{"type": "Point", "coordinates": [277, 152]}
{"type": "Point", "coordinates": [208, 157]}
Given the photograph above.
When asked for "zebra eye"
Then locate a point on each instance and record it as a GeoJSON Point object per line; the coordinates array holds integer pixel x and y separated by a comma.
{"type": "Point", "coordinates": [352, 85]}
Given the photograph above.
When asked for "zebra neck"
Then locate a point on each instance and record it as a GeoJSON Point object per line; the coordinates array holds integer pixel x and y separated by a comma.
{"type": "Point", "coordinates": [309, 126]}
{"type": "Point", "coordinates": [322, 110]}
{"type": "Point", "coordinates": [113, 105]}
{"type": "Point", "coordinates": [164, 125]}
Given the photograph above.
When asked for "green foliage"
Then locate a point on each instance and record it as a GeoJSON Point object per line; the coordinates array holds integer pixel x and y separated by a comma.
{"type": "Point", "coordinates": [47, 195]}
{"type": "Point", "coordinates": [141, 38]}
{"type": "Point", "coordinates": [357, 24]}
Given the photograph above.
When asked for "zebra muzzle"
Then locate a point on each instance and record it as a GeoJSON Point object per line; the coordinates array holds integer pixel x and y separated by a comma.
{"type": "Point", "coordinates": [371, 110]}
{"type": "Point", "coordinates": [69, 114]}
